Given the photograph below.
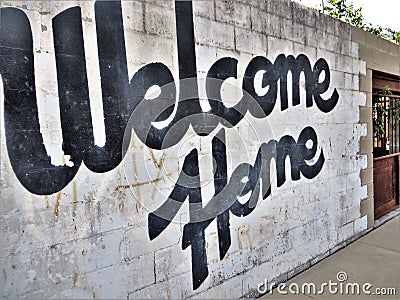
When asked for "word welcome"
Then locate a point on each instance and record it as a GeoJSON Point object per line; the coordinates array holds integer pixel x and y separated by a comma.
{"type": "Point", "coordinates": [123, 98]}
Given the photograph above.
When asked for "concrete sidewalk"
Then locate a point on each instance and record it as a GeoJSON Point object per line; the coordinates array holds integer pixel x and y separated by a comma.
{"type": "Point", "coordinates": [374, 259]}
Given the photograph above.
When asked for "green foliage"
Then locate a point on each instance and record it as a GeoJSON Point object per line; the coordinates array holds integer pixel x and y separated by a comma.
{"type": "Point", "coordinates": [379, 114]}
{"type": "Point", "coordinates": [341, 10]}
{"type": "Point", "coordinates": [396, 109]}
{"type": "Point", "coordinates": [395, 104]}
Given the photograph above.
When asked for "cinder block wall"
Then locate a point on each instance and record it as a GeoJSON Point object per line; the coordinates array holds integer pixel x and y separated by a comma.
{"type": "Point", "coordinates": [379, 55]}
{"type": "Point", "coordinates": [87, 235]}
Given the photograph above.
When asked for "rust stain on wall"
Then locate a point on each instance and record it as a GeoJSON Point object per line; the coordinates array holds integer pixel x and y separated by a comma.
{"type": "Point", "coordinates": [135, 174]}
{"type": "Point", "coordinates": [75, 199]}
{"type": "Point", "coordinates": [74, 279]}
{"type": "Point", "coordinates": [56, 208]}
{"type": "Point", "coordinates": [136, 184]}
{"type": "Point", "coordinates": [46, 200]}
{"type": "Point", "coordinates": [243, 236]}
{"type": "Point", "coordinates": [135, 170]}
{"type": "Point", "coordinates": [159, 164]}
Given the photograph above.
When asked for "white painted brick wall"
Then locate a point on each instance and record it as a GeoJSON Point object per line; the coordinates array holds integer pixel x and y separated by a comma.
{"type": "Point", "coordinates": [91, 240]}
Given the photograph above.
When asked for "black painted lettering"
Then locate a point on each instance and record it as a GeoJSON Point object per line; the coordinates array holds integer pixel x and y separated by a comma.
{"type": "Point", "coordinates": [227, 191]}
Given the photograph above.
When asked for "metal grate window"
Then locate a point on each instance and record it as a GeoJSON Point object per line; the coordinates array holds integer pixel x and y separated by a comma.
{"type": "Point", "coordinates": [386, 116]}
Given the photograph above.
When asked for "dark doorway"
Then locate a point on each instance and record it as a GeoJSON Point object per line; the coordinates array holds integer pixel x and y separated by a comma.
{"type": "Point", "coordinates": [386, 124]}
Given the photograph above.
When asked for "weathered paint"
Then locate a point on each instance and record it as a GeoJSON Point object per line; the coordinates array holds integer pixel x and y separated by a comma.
{"type": "Point", "coordinates": [253, 89]}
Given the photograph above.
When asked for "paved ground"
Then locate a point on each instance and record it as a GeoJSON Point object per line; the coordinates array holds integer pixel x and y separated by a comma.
{"type": "Point", "coordinates": [374, 259]}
